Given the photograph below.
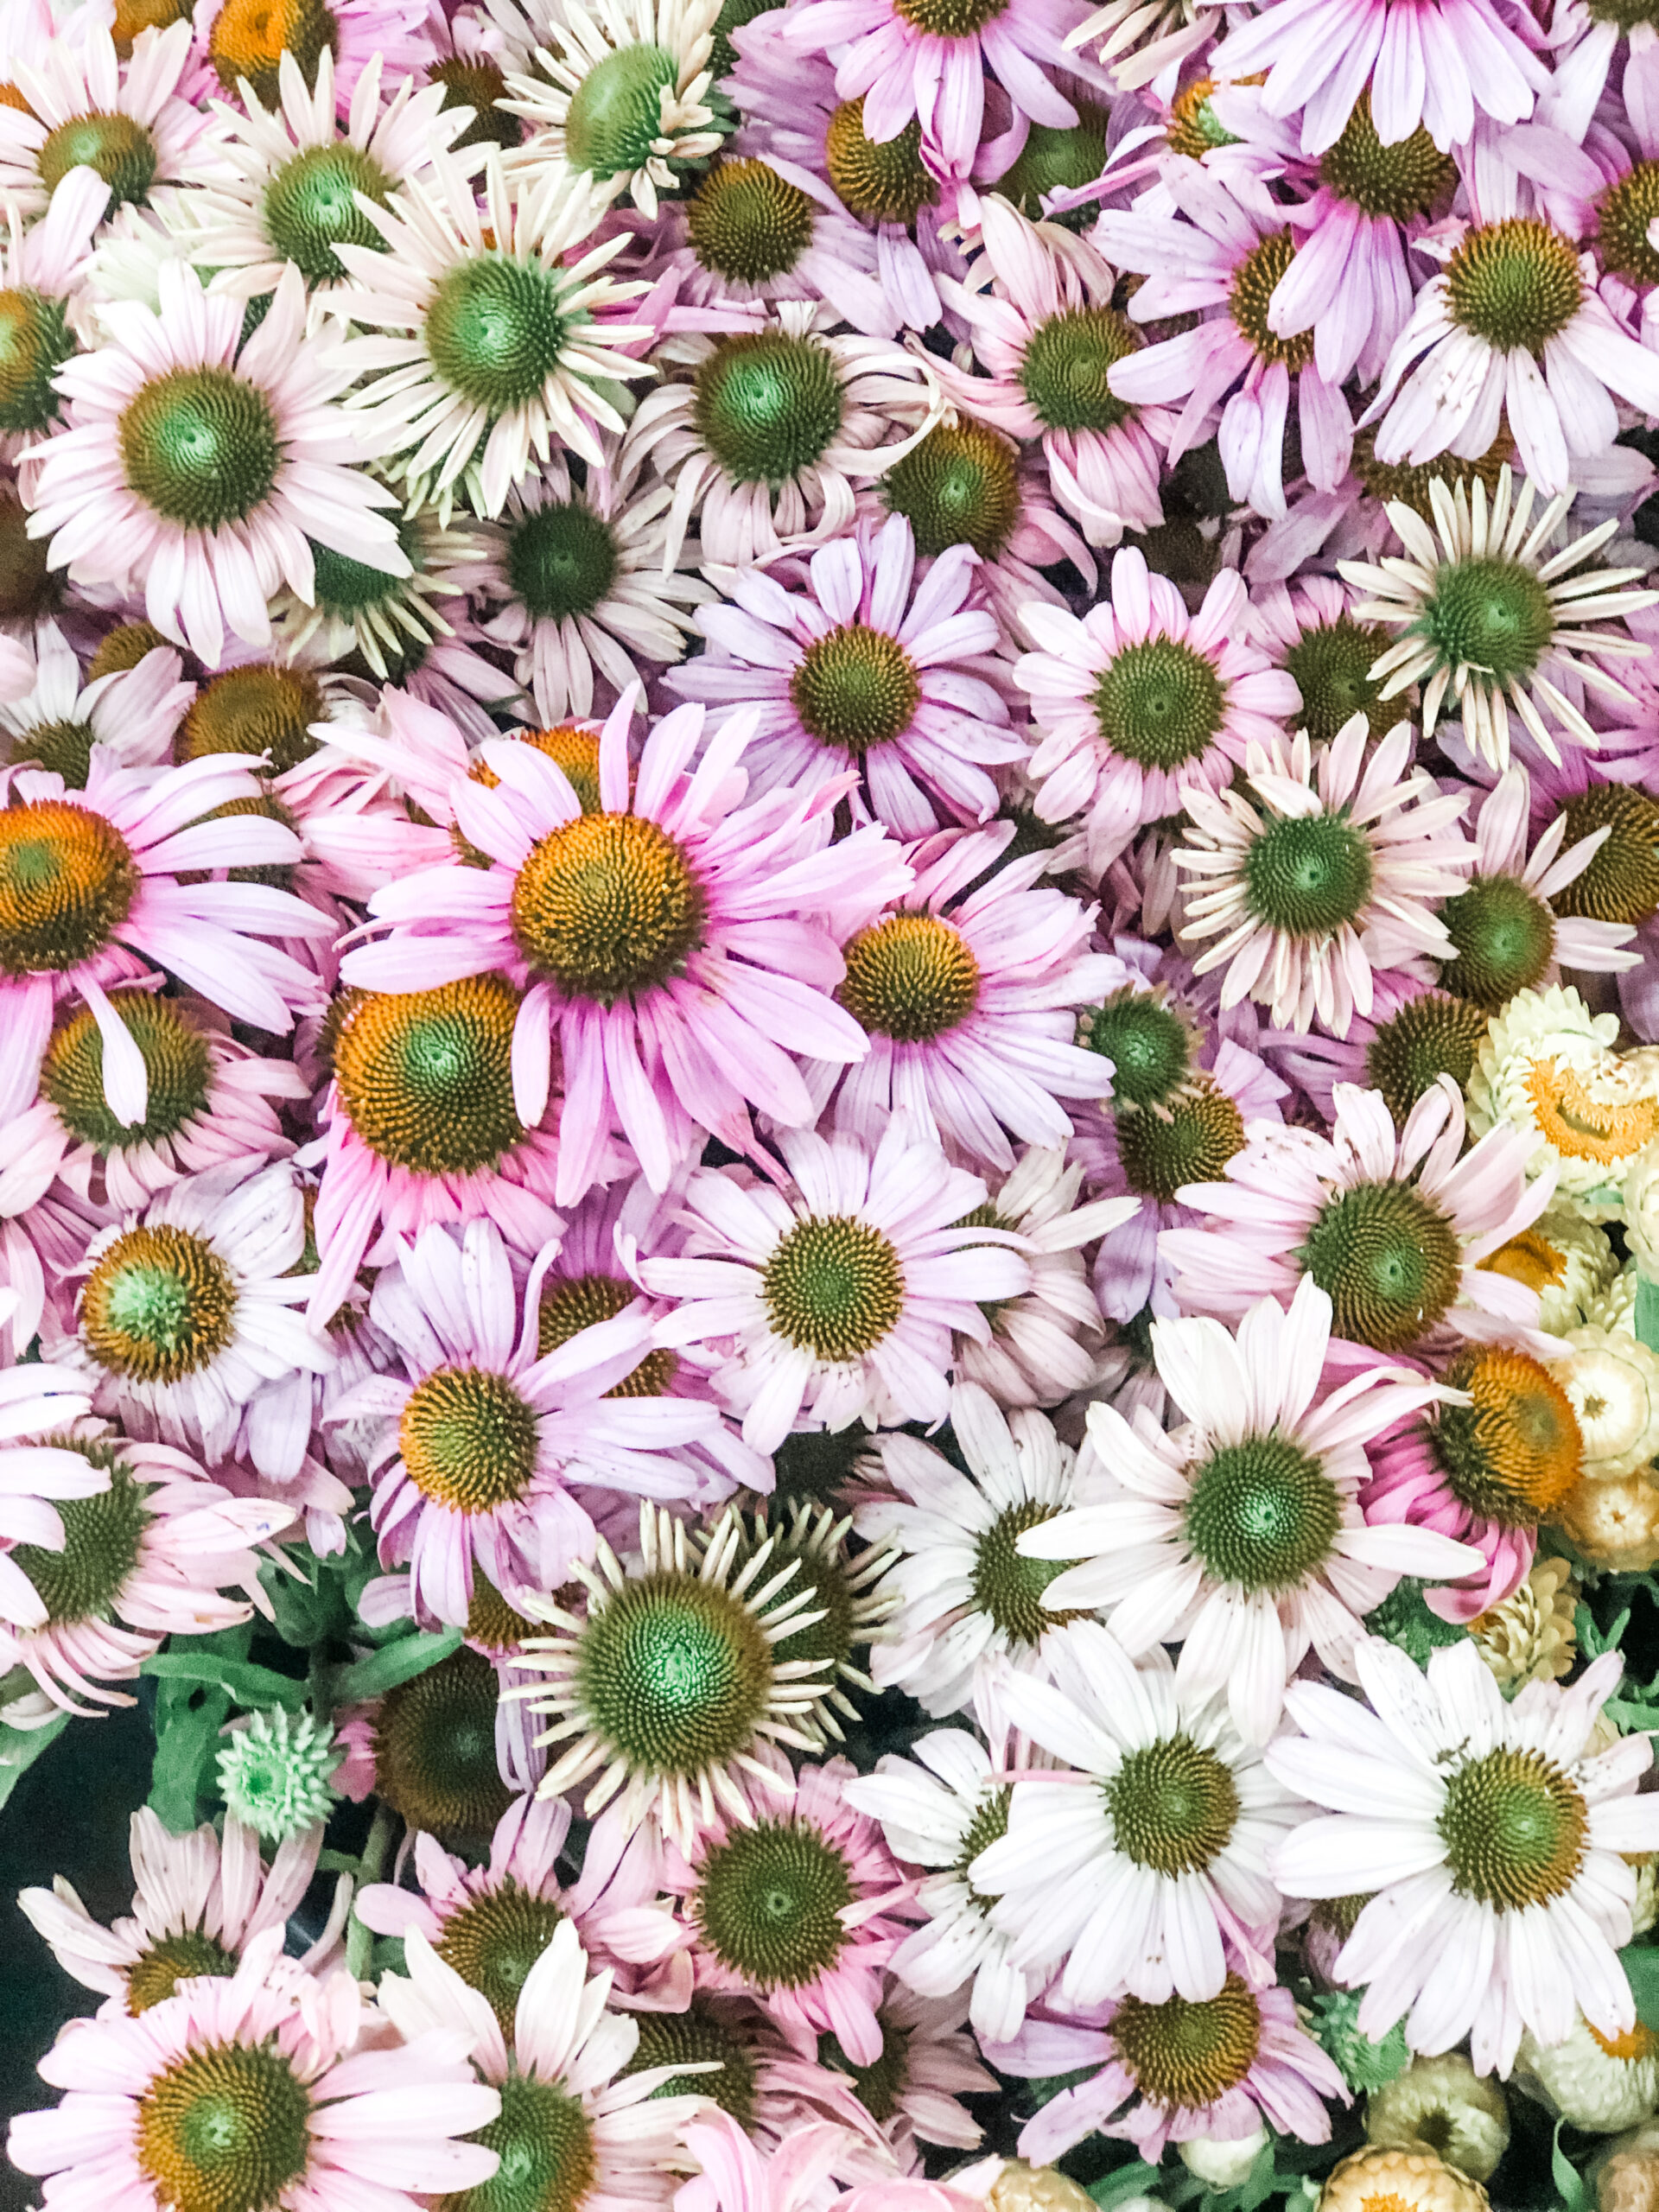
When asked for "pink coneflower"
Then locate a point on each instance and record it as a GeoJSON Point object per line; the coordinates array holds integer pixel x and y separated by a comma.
{"type": "Point", "coordinates": [132, 713]}
{"type": "Point", "coordinates": [37, 1400]}
{"type": "Point", "coordinates": [968, 997]}
{"type": "Point", "coordinates": [1225, 260]}
{"type": "Point", "coordinates": [1413, 1032]}
{"type": "Point", "coordinates": [266, 2060]}
{"type": "Point", "coordinates": [839, 1286]}
{"type": "Point", "coordinates": [928, 2065]}
{"type": "Point", "coordinates": [645, 939]}
{"type": "Point", "coordinates": [870, 671]}
{"type": "Point", "coordinates": [1140, 700]}
{"type": "Point", "coordinates": [1393, 1226]}
{"type": "Point", "coordinates": [80, 103]}
{"type": "Point", "coordinates": [1329, 863]}
{"type": "Point", "coordinates": [798, 1908]}
{"type": "Point", "coordinates": [41, 268]}
{"type": "Point", "coordinates": [733, 2176]}
{"type": "Point", "coordinates": [1490, 1839]}
{"type": "Point", "coordinates": [244, 44]}
{"type": "Point", "coordinates": [472, 1478]}
{"type": "Point", "coordinates": [1038, 306]}
{"type": "Point", "coordinates": [154, 1549]}
{"type": "Point", "coordinates": [196, 469]}
{"type": "Point", "coordinates": [200, 1899]}
{"type": "Point", "coordinates": [1240, 1535]}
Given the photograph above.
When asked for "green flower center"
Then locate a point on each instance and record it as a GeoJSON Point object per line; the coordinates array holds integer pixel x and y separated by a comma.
{"type": "Point", "coordinates": [276, 1774]}
{"type": "Point", "coordinates": [1514, 1829]}
{"type": "Point", "coordinates": [1505, 939]}
{"type": "Point", "coordinates": [124, 647]}
{"type": "Point", "coordinates": [1332, 664]}
{"type": "Point", "coordinates": [63, 748]}
{"type": "Point", "coordinates": [469, 1439]}
{"type": "Point", "coordinates": [1254, 282]}
{"type": "Point", "coordinates": [1514, 283]}
{"type": "Point", "coordinates": [821, 1576]}
{"type": "Point", "coordinates": [1400, 180]}
{"type": "Point", "coordinates": [607, 905]}
{"type": "Point", "coordinates": [951, 18]}
{"type": "Point", "coordinates": [1194, 128]}
{"type": "Point", "coordinates": [770, 1901]}
{"type": "Point", "coordinates": [1306, 874]}
{"type": "Point", "coordinates": [426, 1076]}
{"type": "Point", "coordinates": [250, 37]}
{"type": "Point", "coordinates": [474, 81]}
{"type": "Point", "coordinates": [1159, 703]}
{"type": "Point", "coordinates": [171, 1960]}
{"type": "Point", "coordinates": [434, 1749]}
{"type": "Point", "coordinates": [176, 1058]}
{"type": "Point", "coordinates": [1431, 1036]}
{"type": "Point", "coordinates": [35, 340]}
{"type": "Point", "coordinates": [581, 1302]}
{"type": "Point", "coordinates": [1627, 14]}
{"type": "Point", "coordinates": [495, 1941]}
{"type": "Point", "coordinates": [675, 1673]}
{"type": "Point", "coordinates": [1388, 1259]}
{"type": "Point", "coordinates": [1263, 1514]}
{"type": "Point", "coordinates": [545, 2144]}
{"type": "Point", "coordinates": [103, 1540]}
{"type": "Point", "coordinates": [1065, 371]}
{"type": "Point", "coordinates": [834, 1287]}
{"type": "Point", "coordinates": [28, 588]}
{"type": "Point", "coordinates": [117, 146]}
{"type": "Point", "coordinates": [199, 447]}
{"type": "Point", "coordinates": [880, 2085]}
{"type": "Point", "coordinates": [910, 977]}
{"type": "Point", "coordinates": [747, 223]}
{"type": "Point", "coordinates": [959, 486]}
{"type": "Point", "coordinates": [494, 331]}
{"type": "Point", "coordinates": [1056, 160]}
{"type": "Point", "coordinates": [1622, 220]}
{"type": "Point", "coordinates": [885, 183]}
{"type": "Point", "coordinates": [988, 1826]}
{"type": "Point", "coordinates": [1622, 881]}
{"type": "Point", "coordinates": [692, 2038]}
{"type": "Point", "coordinates": [1146, 1042]}
{"type": "Point", "coordinates": [767, 405]}
{"type": "Point", "coordinates": [1184, 2055]}
{"type": "Point", "coordinates": [561, 560]}
{"type": "Point", "coordinates": [346, 588]}
{"type": "Point", "coordinates": [856, 688]}
{"type": "Point", "coordinates": [1174, 1806]}
{"type": "Point", "coordinates": [224, 2129]}
{"type": "Point", "coordinates": [1491, 614]}
{"type": "Point", "coordinates": [616, 112]}
{"type": "Point", "coordinates": [254, 710]}
{"type": "Point", "coordinates": [1008, 1586]}
{"type": "Point", "coordinates": [1189, 1138]}
{"type": "Point", "coordinates": [1515, 1449]}
{"type": "Point", "coordinates": [310, 208]}
{"type": "Point", "coordinates": [159, 1305]}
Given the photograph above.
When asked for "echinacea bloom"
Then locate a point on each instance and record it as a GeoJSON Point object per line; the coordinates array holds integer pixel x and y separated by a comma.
{"type": "Point", "coordinates": [258, 2058]}
{"type": "Point", "coordinates": [132, 713]}
{"type": "Point", "coordinates": [41, 268]}
{"type": "Point", "coordinates": [1393, 1227]}
{"type": "Point", "coordinates": [1490, 1837]}
{"type": "Point", "coordinates": [199, 1900]}
{"type": "Point", "coordinates": [480, 1438]}
{"type": "Point", "coordinates": [1326, 865]}
{"type": "Point", "coordinates": [1153, 1877]}
{"type": "Point", "coordinates": [870, 668]}
{"type": "Point", "coordinates": [1240, 1535]}
{"type": "Point", "coordinates": [1310, 631]}
{"type": "Point", "coordinates": [733, 2176]}
{"type": "Point", "coordinates": [246, 42]}
{"type": "Point", "coordinates": [1492, 620]}
{"type": "Point", "coordinates": [1139, 701]}
{"type": "Point", "coordinates": [36, 1401]}
{"type": "Point", "coordinates": [646, 938]}
{"type": "Point", "coordinates": [196, 469]}
{"type": "Point", "coordinates": [80, 103]}
{"type": "Point", "coordinates": [841, 1284]}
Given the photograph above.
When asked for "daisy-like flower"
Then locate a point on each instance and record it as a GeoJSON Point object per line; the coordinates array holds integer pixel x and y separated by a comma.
{"type": "Point", "coordinates": [441, 1749]}
{"type": "Point", "coordinates": [1490, 1836]}
{"type": "Point", "coordinates": [969, 997]}
{"type": "Point", "coordinates": [1392, 1227]}
{"type": "Point", "coordinates": [1180, 2072]}
{"type": "Point", "coordinates": [1492, 620]}
{"type": "Point", "coordinates": [1240, 1535]}
{"type": "Point", "coordinates": [1038, 305]}
{"type": "Point", "coordinates": [199, 474]}
{"type": "Point", "coordinates": [798, 1907]}
{"type": "Point", "coordinates": [246, 2094]}
{"type": "Point", "coordinates": [577, 579]}
{"type": "Point", "coordinates": [133, 713]}
{"type": "Point", "coordinates": [617, 100]}
{"type": "Point", "coordinates": [762, 439]}
{"type": "Point", "coordinates": [669, 1690]}
{"type": "Point", "coordinates": [840, 1286]}
{"type": "Point", "coordinates": [35, 1401]}
{"type": "Point", "coordinates": [733, 2176]}
{"type": "Point", "coordinates": [245, 41]}
{"type": "Point", "coordinates": [915, 2088]}
{"type": "Point", "coordinates": [644, 938]}
{"type": "Point", "coordinates": [1329, 864]}
{"type": "Point", "coordinates": [41, 268]}
{"type": "Point", "coordinates": [968, 1601]}
{"type": "Point", "coordinates": [497, 343]}
{"type": "Point", "coordinates": [1141, 701]}
{"type": "Point", "coordinates": [1309, 630]}
{"type": "Point", "coordinates": [1225, 256]}
{"type": "Point", "coordinates": [488, 1435]}
{"type": "Point", "coordinates": [200, 1899]}
{"type": "Point", "coordinates": [282, 186]}
{"type": "Point", "coordinates": [80, 107]}
{"type": "Point", "coordinates": [1547, 1075]}
{"type": "Point", "coordinates": [870, 671]}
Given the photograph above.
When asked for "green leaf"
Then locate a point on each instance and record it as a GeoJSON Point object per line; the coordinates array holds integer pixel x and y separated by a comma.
{"type": "Point", "coordinates": [1566, 2176]}
{"type": "Point", "coordinates": [189, 1713]}
{"type": "Point", "coordinates": [1647, 1312]}
{"type": "Point", "coordinates": [1641, 1965]}
{"type": "Point", "coordinates": [383, 1671]}
{"type": "Point", "coordinates": [21, 1747]}
{"type": "Point", "coordinates": [1137, 2179]}
{"type": "Point", "coordinates": [246, 1684]}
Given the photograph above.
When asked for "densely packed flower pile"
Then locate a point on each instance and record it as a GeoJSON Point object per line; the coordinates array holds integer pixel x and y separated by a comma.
{"type": "Point", "coordinates": [830, 1097]}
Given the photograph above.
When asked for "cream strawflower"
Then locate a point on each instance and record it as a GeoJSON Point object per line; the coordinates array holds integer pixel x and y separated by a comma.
{"type": "Point", "coordinates": [1444, 2101]}
{"type": "Point", "coordinates": [1601, 2083]}
{"type": "Point", "coordinates": [1612, 1379]}
{"type": "Point", "coordinates": [1548, 1070]}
